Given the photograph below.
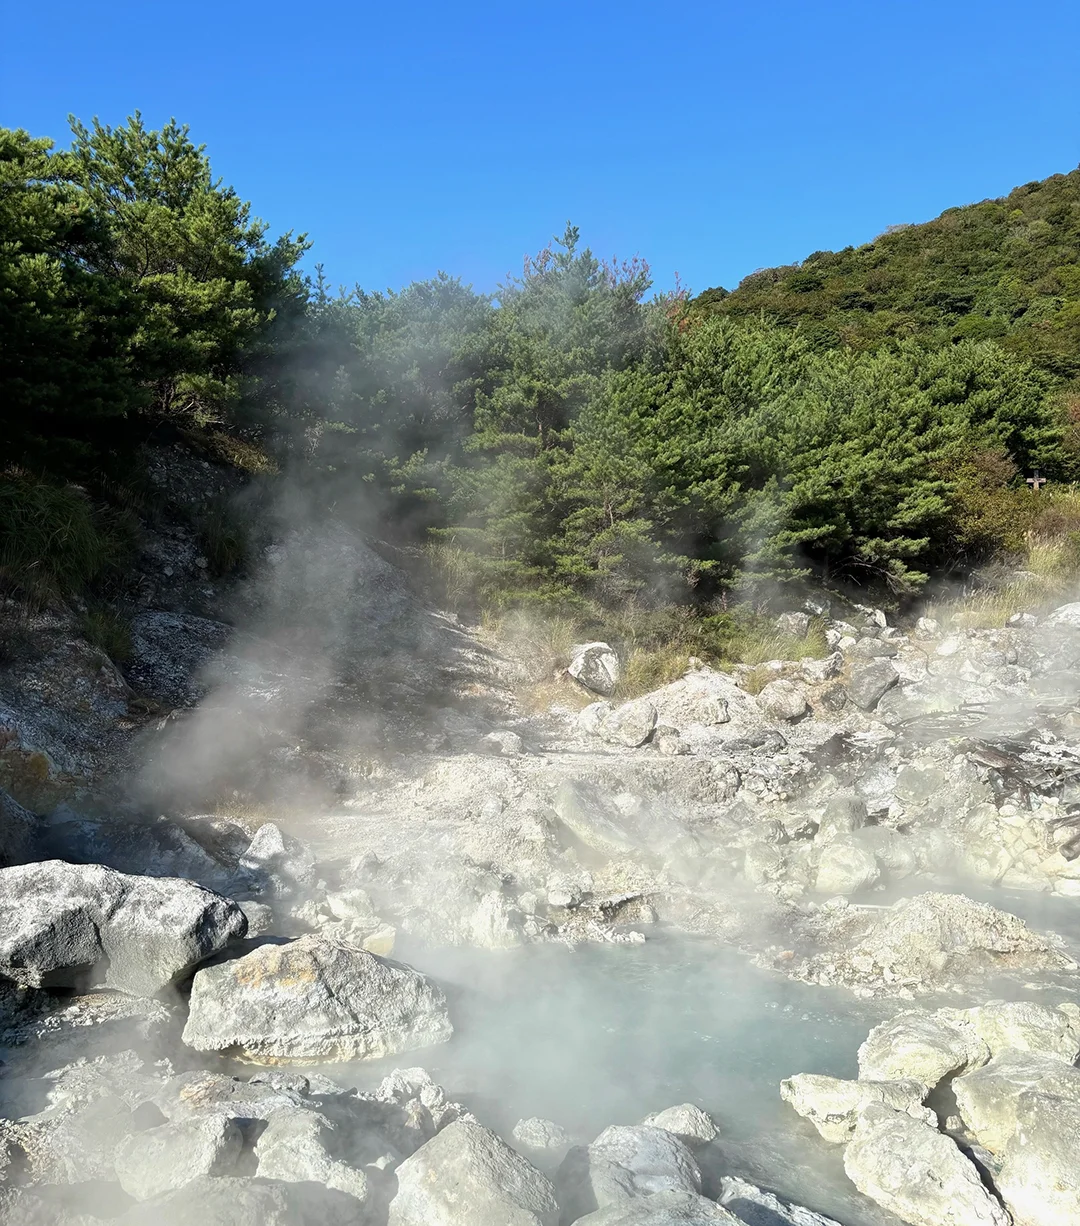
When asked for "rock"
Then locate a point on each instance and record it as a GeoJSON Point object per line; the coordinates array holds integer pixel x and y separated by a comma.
{"type": "Point", "coordinates": [502, 741]}
{"type": "Point", "coordinates": [591, 817]}
{"type": "Point", "coordinates": [295, 1147]}
{"type": "Point", "coordinates": [596, 667]}
{"type": "Point", "coordinates": [846, 868]}
{"type": "Point", "coordinates": [61, 924]}
{"type": "Point", "coordinates": [313, 999]}
{"type": "Point", "coordinates": [687, 1122]}
{"type": "Point", "coordinates": [1040, 1171]}
{"type": "Point", "coordinates": [1023, 1025]}
{"type": "Point", "coordinates": [988, 1098]}
{"type": "Point", "coordinates": [211, 1201]}
{"type": "Point", "coordinates": [909, 1168]}
{"type": "Point", "coordinates": [83, 1145]}
{"type": "Point", "coordinates": [1065, 615]}
{"type": "Point", "coordinates": [630, 724]}
{"type": "Point", "coordinates": [833, 1106]}
{"type": "Point", "coordinates": [623, 1163]}
{"type": "Point", "coordinates": [276, 863]}
{"type": "Point", "coordinates": [870, 682]}
{"type": "Point", "coordinates": [167, 1157]}
{"type": "Point", "coordinates": [844, 814]}
{"type": "Point", "coordinates": [170, 652]}
{"type": "Point", "coordinates": [465, 1173]}
{"type": "Point", "coordinates": [590, 720]}
{"type": "Point", "coordinates": [817, 672]}
{"type": "Point", "coordinates": [793, 625]}
{"type": "Point", "coordinates": [873, 649]}
{"type": "Point", "coordinates": [663, 1209]}
{"type": "Point", "coordinates": [541, 1135]}
{"type": "Point", "coordinates": [783, 700]}
{"type": "Point", "coordinates": [920, 1045]}
{"type": "Point", "coordinates": [18, 828]}
{"type": "Point", "coordinates": [926, 627]}
{"type": "Point", "coordinates": [759, 1208]}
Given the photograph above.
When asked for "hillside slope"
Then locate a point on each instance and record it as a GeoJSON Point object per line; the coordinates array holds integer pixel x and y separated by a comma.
{"type": "Point", "coordinates": [1005, 269]}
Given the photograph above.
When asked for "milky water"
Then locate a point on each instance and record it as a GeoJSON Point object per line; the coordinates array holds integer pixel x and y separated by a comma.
{"type": "Point", "coordinates": [606, 1034]}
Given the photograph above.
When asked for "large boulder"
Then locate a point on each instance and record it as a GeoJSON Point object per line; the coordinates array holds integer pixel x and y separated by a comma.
{"type": "Point", "coordinates": [833, 1105]}
{"type": "Point", "coordinates": [920, 1045]}
{"type": "Point", "coordinates": [63, 925]}
{"type": "Point", "coordinates": [298, 1147]}
{"type": "Point", "coordinates": [756, 1207]}
{"type": "Point", "coordinates": [465, 1173]}
{"type": "Point", "coordinates": [624, 1163]}
{"type": "Point", "coordinates": [158, 1160]}
{"type": "Point", "coordinates": [630, 724]}
{"type": "Point", "coordinates": [845, 867]}
{"type": "Point", "coordinates": [596, 667]}
{"type": "Point", "coordinates": [870, 682]}
{"type": "Point", "coordinates": [664, 1209]}
{"type": "Point", "coordinates": [912, 1170]}
{"type": "Point", "coordinates": [1024, 1025]}
{"type": "Point", "coordinates": [989, 1098]}
{"type": "Point", "coordinates": [783, 700]}
{"type": "Point", "coordinates": [1040, 1172]}
{"type": "Point", "coordinates": [313, 999]}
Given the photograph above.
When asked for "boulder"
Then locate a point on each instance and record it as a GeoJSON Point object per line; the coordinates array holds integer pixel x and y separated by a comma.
{"type": "Point", "coordinates": [275, 863]}
{"type": "Point", "coordinates": [541, 1136]}
{"type": "Point", "coordinates": [687, 1122]}
{"type": "Point", "coordinates": [1024, 1025]}
{"type": "Point", "coordinates": [158, 1160]}
{"type": "Point", "coordinates": [1065, 615]}
{"type": "Point", "coordinates": [465, 1173]}
{"type": "Point", "coordinates": [596, 667]}
{"type": "Point", "coordinates": [241, 1201]}
{"type": "Point", "coordinates": [756, 1207]}
{"type": "Point", "coordinates": [1040, 1171]}
{"type": "Point", "coordinates": [846, 868]}
{"type": "Point", "coordinates": [590, 719]}
{"type": "Point", "coordinates": [844, 814]}
{"type": "Point", "coordinates": [833, 1105]}
{"type": "Point", "coordinates": [663, 1209]}
{"type": "Point", "coordinates": [870, 682]}
{"type": "Point", "coordinates": [62, 925]}
{"type": "Point", "coordinates": [296, 1147]}
{"type": "Point", "coordinates": [84, 1142]}
{"type": "Point", "coordinates": [313, 999]}
{"type": "Point", "coordinates": [591, 817]}
{"type": "Point", "coordinates": [623, 1163]}
{"type": "Point", "coordinates": [922, 1046]}
{"type": "Point", "coordinates": [783, 700]}
{"type": "Point", "coordinates": [988, 1099]}
{"type": "Point", "coordinates": [912, 1170]}
{"type": "Point", "coordinates": [630, 724]}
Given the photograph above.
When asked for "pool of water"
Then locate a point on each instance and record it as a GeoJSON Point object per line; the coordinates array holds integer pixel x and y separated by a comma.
{"type": "Point", "coordinates": [606, 1034]}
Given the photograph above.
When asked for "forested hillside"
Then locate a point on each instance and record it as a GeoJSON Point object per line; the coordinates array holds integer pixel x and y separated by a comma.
{"type": "Point", "coordinates": [867, 419]}
{"type": "Point", "coordinates": [1006, 270]}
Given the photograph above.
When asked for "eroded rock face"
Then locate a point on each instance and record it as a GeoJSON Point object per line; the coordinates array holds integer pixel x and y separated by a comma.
{"type": "Point", "coordinates": [911, 1169]}
{"type": "Point", "coordinates": [920, 1045]}
{"type": "Point", "coordinates": [62, 925]}
{"type": "Point", "coordinates": [1040, 1172]}
{"type": "Point", "coordinates": [18, 830]}
{"type": "Point", "coordinates": [989, 1099]}
{"type": "Point", "coordinates": [313, 999]}
{"type": "Point", "coordinates": [833, 1105]}
{"type": "Point", "coordinates": [158, 1160]}
{"type": "Point", "coordinates": [467, 1174]}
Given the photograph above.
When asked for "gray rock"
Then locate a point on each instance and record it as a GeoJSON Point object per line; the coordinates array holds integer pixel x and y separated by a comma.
{"type": "Point", "coordinates": [83, 1145]}
{"type": "Point", "coordinates": [793, 625]}
{"type": "Point", "coordinates": [590, 719]}
{"type": "Point", "coordinates": [844, 814]}
{"type": "Point", "coordinates": [784, 700]}
{"type": "Point", "coordinates": [542, 1136]}
{"type": "Point", "coordinates": [920, 1045]}
{"type": "Point", "coordinates": [162, 1159]}
{"type": "Point", "coordinates": [664, 1209]}
{"type": "Point", "coordinates": [873, 649]}
{"type": "Point", "coordinates": [1065, 615]}
{"type": "Point", "coordinates": [275, 863]}
{"type": "Point", "coordinates": [630, 724]}
{"type": "Point", "coordinates": [624, 1163]}
{"type": "Point", "coordinates": [596, 667]}
{"type": "Point", "coordinates": [1040, 1172]}
{"type": "Point", "coordinates": [61, 924]}
{"type": "Point", "coordinates": [846, 868]}
{"type": "Point", "coordinates": [988, 1098]}
{"type": "Point", "coordinates": [833, 1105]}
{"type": "Point", "coordinates": [465, 1173]}
{"type": "Point", "coordinates": [211, 1201]}
{"type": "Point", "coordinates": [313, 999]}
{"type": "Point", "coordinates": [18, 830]}
{"type": "Point", "coordinates": [170, 652]}
{"type": "Point", "coordinates": [296, 1147]}
{"type": "Point", "coordinates": [591, 817]}
{"type": "Point", "coordinates": [756, 1207]}
{"type": "Point", "coordinates": [909, 1168]}
{"type": "Point", "coordinates": [870, 682]}
{"type": "Point", "coordinates": [687, 1122]}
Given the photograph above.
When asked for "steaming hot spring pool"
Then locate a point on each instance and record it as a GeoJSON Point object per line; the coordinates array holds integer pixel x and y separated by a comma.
{"type": "Point", "coordinates": [606, 1034]}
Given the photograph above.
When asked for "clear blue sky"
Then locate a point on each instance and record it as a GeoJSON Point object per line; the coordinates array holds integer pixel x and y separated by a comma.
{"type": "Point", "coordinates": [711, 138]}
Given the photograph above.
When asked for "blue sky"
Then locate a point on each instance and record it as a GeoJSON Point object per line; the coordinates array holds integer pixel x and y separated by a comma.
{"type": "Point", "coordinates": [712, 139]}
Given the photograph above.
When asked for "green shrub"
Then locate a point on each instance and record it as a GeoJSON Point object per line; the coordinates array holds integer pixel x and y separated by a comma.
{"type": "Point", "coordinates": [108, 630]}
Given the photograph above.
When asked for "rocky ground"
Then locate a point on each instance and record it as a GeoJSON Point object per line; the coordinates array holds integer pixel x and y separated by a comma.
{"type": "Point", "coordinates": [346, 774]}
